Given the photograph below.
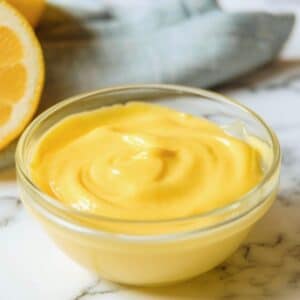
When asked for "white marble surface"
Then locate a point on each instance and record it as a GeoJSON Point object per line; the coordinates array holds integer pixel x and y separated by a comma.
{"type": "Point", "coordinates": [267, 266]}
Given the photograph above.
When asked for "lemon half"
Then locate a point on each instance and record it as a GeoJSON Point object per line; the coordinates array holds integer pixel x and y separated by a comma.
{"type": "Point", "coordinates": [21, 73]}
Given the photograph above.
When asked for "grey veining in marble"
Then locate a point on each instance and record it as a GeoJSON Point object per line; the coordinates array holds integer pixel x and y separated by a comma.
{"type": "Point", "coordinates": [10, 205]}
{"type": "Point", "coordinates": [95, 289]}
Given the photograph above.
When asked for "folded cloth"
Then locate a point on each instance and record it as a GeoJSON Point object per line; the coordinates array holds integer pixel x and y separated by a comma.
{"type": "Point", "coordinates": [89, 44]}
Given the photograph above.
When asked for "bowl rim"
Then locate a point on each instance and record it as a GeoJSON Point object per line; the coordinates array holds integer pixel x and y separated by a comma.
{"type": "Point", "coordinates": [175, 88]}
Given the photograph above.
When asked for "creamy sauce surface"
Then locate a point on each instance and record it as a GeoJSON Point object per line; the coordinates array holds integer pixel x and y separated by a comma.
{"type": "Point", "coordinates": [143, 162]}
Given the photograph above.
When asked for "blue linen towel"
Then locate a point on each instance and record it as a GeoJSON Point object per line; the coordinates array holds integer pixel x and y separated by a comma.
{"type": "Point", "coordinates": [89, 44]}
{"type": "Point", "coordinates": [96, 43]}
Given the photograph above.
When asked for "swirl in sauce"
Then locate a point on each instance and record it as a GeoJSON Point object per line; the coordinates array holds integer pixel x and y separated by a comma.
{"type": "Point", "coordinates": [143, 162]}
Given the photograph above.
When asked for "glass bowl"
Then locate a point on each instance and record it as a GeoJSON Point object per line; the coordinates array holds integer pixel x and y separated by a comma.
{"type": "Point", "coordinates": [160, 252]}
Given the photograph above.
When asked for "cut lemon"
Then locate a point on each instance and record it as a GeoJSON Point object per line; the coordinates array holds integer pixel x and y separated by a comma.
{"type": "Point", "coordinates": [31, 9]}
{"type": "Point", "coordinates": [21, 73]}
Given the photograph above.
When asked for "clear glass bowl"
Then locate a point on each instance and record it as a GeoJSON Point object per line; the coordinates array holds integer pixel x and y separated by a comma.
{"type": "Point", "coordinates": [151, 252]}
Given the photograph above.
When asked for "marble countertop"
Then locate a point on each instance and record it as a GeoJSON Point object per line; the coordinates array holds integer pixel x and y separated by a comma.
{"type": "Point", "coordinates": [266, 266]}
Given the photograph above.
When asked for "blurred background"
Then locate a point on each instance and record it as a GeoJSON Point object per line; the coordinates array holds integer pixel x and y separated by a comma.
{"type": "Point", "coordinates": [92, 44]}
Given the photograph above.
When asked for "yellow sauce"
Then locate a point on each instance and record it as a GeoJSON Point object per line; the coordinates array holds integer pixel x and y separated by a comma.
{"type": "Point", "coordinates": [143, 162]}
